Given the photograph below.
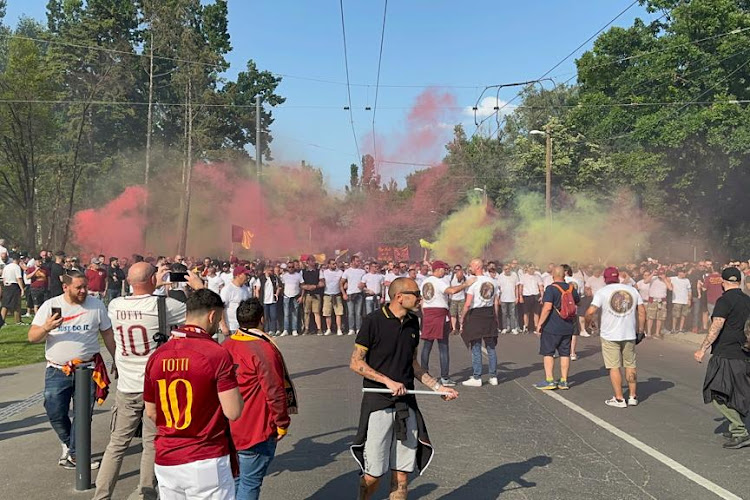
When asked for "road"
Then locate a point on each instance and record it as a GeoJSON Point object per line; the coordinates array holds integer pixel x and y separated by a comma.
{"type": "Point", "coordinates": [510, 441]}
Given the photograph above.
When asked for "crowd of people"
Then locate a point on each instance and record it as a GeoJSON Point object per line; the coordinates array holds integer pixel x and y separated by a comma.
{"type": "Point", "coordinates": [160, 319]}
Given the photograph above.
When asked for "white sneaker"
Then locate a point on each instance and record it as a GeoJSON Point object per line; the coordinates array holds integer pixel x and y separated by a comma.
{"type": "Point", "coordinates": [472, 382]}
{"type": "Point", "coordinates": [284, 333]}
{"type": "Point", "coordinates": [493, 381]}
{"type": "Point", "coordinates": [633, 401]}
{"type": "Point", "coordinates": [64, 457]}
{"type": "Point", "coordinates": [584, 333]}
{"type": "Point", "coordinates": [351, 332]}
{"type": "Point", "coordinates": [616, 402]}
{"type": "Point", "coordinates": [515, 331]}
{"type": "Point", "coordinates": [339, 333]}
{"type": "Point", "coordinates": [574, 357]}
{"type": "Point", "coordinates": [294, 333]}
{"type": "Point", "coordinates": [328, 332]}
{"type": "Point", "coordinates": [504, 331]}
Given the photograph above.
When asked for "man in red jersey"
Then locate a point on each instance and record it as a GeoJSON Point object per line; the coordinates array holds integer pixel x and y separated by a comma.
{"type": "Point", "coordinates": [269, 398]}
{"type": "Point", "coordinates": [190, 391]}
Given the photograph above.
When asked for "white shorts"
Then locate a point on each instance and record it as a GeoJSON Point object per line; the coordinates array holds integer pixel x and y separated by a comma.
{"type": "Point", "coordinates": [383, 451]}
{"type": "Point", "coordinates": [209, 479]}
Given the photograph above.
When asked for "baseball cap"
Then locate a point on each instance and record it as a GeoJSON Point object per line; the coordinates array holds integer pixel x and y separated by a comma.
{"type": "Point", "coordinates": [95, 260]}
{"type": "Point", "coordinates": [283, 266]}
{"type": "Point", "coordinates": [439, 264]}
{"type": "Point", "coordinates": [240, 270]}
{"type": "Point", "coordinates": [611, 275]}
{"type": "Point", "coordinates": [731, 274]}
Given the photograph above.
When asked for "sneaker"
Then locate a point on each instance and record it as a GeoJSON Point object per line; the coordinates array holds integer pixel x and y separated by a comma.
{"type": "Point", "coordinates": [284, 333]}
{"type": "Point", "coordinates": [351, 332]}
{"type": "Point", "coordinates": [515, 331]}
{"type": "Point", "coordinates": [546, 385]}
{"type": "Point", "coordinates": [617, 403]}
{"type": "Point", "coordinates": [493, 381]}
{"type": "Point", "coordinates": [633, 401]}
{"type": "Point", "coordinates": [327, 333]}
{"type": "Point", "coordinates": [64, 456]}
{"type": "Point", "coordinates": [70, 463]}
{"type": "Point", "coordinates": [294, 333]}
{"type": "Point", "coordinates": [446, 382]}
{"type": "Point", "coordinates": [504, 331]}
{"type": "Point", "coordinates": [574, 357]}
{"type": "Point", "coordinates": [584, 333]}
{"type": "Point", "coordinates": [563, 385]}
{"type": "Point", "coordinates": [339, 333]}
{"type": "Point", "coordinates": [472, 382]}
{"type": "Point", "coordinates": [736, 443]}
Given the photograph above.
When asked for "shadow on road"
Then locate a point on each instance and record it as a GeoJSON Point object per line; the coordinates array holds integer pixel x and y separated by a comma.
{"type": "Point", "coordinates": [651, 386]}
{"type": "Point", "coordinates": [491, 484]}
{"type": "Point", "coordinates": [345, 487]}
{"type": "Point", "coordinates": [317, 371]}
{"type": "Point", "coordinates": [581, 378]}
{"type": "Point", "coordinates": [7, 374]}
{"type": "Point", "coordinates": [22, 426]}
{"type": "Point", "coordinates": [311, 452]}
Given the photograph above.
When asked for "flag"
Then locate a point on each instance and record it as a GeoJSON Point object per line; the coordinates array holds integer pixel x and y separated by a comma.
{"type": "Point", "coordinates": [320, 258]}
{"type": "Point", "coordinates": [242, 236]}
{"type": "Point", "coordinates": [385, 254]}
{"type": "Point", "coordinates": [341, 253]}
{"type": "Point", "coordinates": [401, 253]}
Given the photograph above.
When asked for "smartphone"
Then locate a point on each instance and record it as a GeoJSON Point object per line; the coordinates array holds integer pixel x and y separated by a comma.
{"type": "Point", "coordinates": [58, 311]}
{"type": "Point", "coordinates": [176, 277]}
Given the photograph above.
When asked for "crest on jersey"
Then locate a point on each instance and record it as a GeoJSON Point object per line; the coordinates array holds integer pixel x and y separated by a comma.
{"type": "Point", "coordinates": [487, 290]}
{"type": "Point", "coordinates": [428, 291]}
{"type": "Point", "coordinates": [621, 302]}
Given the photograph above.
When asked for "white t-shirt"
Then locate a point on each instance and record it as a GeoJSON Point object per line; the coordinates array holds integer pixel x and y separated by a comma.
{"type": "Point", "coordinates": [458, 295]}
{"type": "Point", "coordinates": [226, 277]}
{"type": "Point", "coordinates": [547, 279]}
{"type": "Point", "coordinates": [11, 274]}
{"type": "Point", "coordinates": [483, 292]}
{"type": "Point", "coordinates": [353, 278]}
{"type": "Point", "coordinates": [681, 290]}
{"type": "Point", "coordinates": [78, 336]}
{"type": "Point", "coordinates": [658, 289]}
{"type": "Point", "coordinates": [618, 303]}
{"type": "Point", "coordinates": [215, 283]}
{"type": "Point", "coordinates": [292, 284]}
{"type": "Point", "coordinates": [530, 283]}
{"type": "Point", "coordinates": [269, 294]}
{"type": "Point", "coordinates": [135, 321]}
{"type": "Point", "coordinates": [643, 288]}
{"type": "Point", "coordinates": [508, 287]}
{"type": "Point", "coordinates": [232, 295]}
{"type": "Point", "coordinates": [333, 281]}
{"type": "Point", "coordinates": [433, 293]}
{"type": "Point", "coordinates": [374, 283]}
{"type": "Point", "coordinates": [595, 284]}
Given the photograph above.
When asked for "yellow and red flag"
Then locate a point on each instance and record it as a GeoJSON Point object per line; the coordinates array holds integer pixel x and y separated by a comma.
{"type": "Point", "coordinates": [242, 236]}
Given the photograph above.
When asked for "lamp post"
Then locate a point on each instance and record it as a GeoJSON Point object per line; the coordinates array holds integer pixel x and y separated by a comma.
{"type": "Point", "coordinates": [484, 193]}
{"type": "Point", "coordinates": [548, 178]}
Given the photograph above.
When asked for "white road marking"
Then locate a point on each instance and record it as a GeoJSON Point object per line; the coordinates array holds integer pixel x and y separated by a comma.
{"type": "Point", "coordinates": [657, 455]}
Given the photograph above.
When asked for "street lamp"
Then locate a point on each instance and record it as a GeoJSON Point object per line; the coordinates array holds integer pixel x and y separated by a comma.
{"type": "Point", "coordinates": [548, 178]}
{"type": "Point", "coordinates": [483, 191]}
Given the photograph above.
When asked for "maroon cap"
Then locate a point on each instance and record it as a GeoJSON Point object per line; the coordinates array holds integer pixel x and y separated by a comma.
{"type": "Point", "coordinates": [611, 275]}
{"type": "Point", "coordinates": [240, 270]}
{"type": "Point", "coordinates": [439, 264]}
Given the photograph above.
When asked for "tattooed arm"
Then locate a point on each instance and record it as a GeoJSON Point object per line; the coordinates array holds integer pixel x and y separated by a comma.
{"type": "Point", "coordinates": [713, 332]}
{"type": "Point", "coordinates": [431, 382]}
{"type": "Point", "coordinates": [359, 366]}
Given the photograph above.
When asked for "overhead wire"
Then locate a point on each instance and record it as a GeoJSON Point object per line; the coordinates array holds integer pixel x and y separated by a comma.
{"type": "Point", "coordinates": [348, 86]}
{"type": "Point", "coordinates": [377, 85]}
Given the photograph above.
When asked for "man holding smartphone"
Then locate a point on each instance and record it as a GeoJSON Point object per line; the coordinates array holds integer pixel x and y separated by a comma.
{"type": "Point", "coordinates": [71, 334]}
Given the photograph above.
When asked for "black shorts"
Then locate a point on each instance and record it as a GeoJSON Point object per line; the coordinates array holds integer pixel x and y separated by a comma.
{"type": "Point", "coordinates": [549, 343]}
{"type": "Point", "coordinates": [36, 297]}
{"type": "Point", "coordinates": [531, 304]}
{"type": "Point", "coordinates": [11, 297]}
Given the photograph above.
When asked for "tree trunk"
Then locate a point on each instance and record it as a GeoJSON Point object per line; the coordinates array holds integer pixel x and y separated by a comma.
{"type": "Point", "coordinates": [187, 172]}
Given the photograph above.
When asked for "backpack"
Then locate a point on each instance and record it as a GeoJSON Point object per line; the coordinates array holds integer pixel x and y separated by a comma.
{"type": "Point", "coordinates": [568, 309]}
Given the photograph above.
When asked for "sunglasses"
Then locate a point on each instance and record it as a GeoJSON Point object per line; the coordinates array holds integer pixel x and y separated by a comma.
{"type": "Point", "coordinates": [416, 293]}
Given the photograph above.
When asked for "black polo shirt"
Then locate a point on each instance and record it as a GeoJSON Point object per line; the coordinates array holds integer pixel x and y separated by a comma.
{"type": "Point", "coordinates": [391, 344]}
{"type": "Point", "coordinates": [312, 278]}
{"type": "Point", "coordinates": [734, 306]}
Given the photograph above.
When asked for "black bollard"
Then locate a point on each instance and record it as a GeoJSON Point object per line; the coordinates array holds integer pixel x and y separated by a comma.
{"type": "Point", "coordinates": [82, 416]}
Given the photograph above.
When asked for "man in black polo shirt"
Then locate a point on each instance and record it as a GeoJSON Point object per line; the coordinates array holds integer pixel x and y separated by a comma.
{"type": "Point", "coordinates": [392, 433]}
{"type": "Point", "coordinates": [556, 331]}
{"type": "Point", "coordinates": [312, 292]}
{"type": "Point", "coordinates": [727, 383]}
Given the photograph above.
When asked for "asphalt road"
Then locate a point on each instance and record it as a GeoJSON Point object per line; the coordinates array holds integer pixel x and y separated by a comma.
{"type": "Point", "coordinates": [510, 441]}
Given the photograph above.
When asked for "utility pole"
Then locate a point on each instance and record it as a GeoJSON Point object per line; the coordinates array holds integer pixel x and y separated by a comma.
{"type": "Point", "coordinates": [548, 181]}
{"type": "Point", "coordinates": [258, 149]}
{"type": "Point", "coordinates": [149, 127]}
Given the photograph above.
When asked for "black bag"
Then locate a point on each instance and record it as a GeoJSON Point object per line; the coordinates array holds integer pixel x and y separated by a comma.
{"type": "Point", "coordinates": [163, 334]}
{"type": "Point", "coordinates": [639, 337]}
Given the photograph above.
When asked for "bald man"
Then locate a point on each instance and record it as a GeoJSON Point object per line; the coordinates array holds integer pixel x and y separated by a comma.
{"type": "Point", "coordinates": [556, 331]}
{"type": "Point", "coordinates": [135, 321]}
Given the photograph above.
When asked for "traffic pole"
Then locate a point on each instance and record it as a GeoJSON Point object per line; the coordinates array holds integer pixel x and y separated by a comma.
{"type": "Point", "coordinates": [82, 416]}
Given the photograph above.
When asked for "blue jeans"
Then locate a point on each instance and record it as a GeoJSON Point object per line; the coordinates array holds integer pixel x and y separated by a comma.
{"type": "Point", "coordinates": [269, 316]}
{"type": "Point", "coordinates": [58, 393]}
{"type": "Point", "coordinates": [476, 356]}
{"type": "Point", "coordinates": [113, 293]}
{"type": "Point", "coordinates": [354, 311]}
{"type": "Point", "coordinates": [444, 355]}
{"type": "Point", "coordinates": [371, 304]}
{"type": "Point", "coordinates": [510, 317]}
{"type": "Point", "coordinates": [291, 311]}
{"type": "Point", "coordinates": [254, 463]}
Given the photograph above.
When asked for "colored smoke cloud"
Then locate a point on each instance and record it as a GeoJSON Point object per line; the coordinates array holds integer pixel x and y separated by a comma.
{"type": "Point", "coordinates": [467, 233]}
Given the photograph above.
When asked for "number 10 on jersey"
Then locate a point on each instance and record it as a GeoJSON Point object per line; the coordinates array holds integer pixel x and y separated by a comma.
{"type": "Point", "coordinates": [177, 414]}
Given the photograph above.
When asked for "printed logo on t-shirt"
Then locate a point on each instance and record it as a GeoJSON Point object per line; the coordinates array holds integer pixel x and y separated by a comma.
{"type": "Point", "coordinates": [621, 302]}
{"type": "Point", "coordinates": [428, 291]}
{"type": "Point", "coordinates": [487, 290]}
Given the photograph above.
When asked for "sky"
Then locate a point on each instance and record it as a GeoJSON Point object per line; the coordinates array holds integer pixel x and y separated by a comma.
{"type": "Point", "coordinates": [453, 48]}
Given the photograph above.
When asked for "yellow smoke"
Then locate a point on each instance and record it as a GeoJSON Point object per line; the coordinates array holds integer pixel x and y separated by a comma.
{"type": "Point", "coordinates": [465, 234]}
